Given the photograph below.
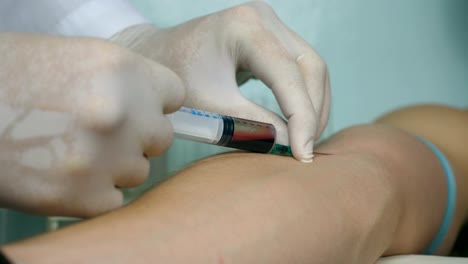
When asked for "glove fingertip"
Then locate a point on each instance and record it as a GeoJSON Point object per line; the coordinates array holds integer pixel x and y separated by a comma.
{"type": "Point", "coordinates": [304, 153]}
{"type": "Point", "coordinates": [308, 155]}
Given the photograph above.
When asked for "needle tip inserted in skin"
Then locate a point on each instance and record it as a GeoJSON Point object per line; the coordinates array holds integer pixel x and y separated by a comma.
{"type": "Point", "coordinates": [283, 150]}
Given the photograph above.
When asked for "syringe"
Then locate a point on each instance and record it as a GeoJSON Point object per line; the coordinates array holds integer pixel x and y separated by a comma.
{"type": "Point", "coordinates": [227, 131]}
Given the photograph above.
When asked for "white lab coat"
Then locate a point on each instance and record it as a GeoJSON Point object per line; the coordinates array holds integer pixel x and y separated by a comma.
{"type": "Point", "coordinates": [95, 18]}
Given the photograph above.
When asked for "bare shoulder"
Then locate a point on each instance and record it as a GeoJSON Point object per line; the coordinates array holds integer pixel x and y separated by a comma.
{"type": "Point", "coordinates": [428, 117]}
{"type": "Point", "coordinates": [445, 126]}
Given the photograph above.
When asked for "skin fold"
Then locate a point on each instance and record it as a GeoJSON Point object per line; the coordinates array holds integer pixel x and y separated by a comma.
{"type": "Point", "coordinates": [382, 192]}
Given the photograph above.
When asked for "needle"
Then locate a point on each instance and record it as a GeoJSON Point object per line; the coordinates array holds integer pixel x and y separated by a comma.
{"type": "Point", "coordinates": [283, 150]}
{"type": "Point", "coordinates": [321, 153]}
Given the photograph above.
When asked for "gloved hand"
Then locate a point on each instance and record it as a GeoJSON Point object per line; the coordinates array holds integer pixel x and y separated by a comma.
{"type": "Point", "coordinates": [78, 117]}
{"type": "Point", "coordinates": [207, 53]}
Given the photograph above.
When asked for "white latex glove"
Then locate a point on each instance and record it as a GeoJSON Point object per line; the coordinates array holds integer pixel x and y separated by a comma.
{"type": "Point", "coordinates": [207, 53]}
{"type": "Point", "coordinates": [77, 116]}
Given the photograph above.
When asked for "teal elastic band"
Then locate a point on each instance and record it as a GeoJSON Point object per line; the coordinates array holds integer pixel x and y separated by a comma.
{"type": "Point", "coordinates": [451, 199]}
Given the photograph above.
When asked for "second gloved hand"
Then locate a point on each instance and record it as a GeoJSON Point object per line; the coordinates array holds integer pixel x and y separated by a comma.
{"type": "Point", "coordinates": [212, 54]}
{"type": "Point", "coordinates": [78, 117]}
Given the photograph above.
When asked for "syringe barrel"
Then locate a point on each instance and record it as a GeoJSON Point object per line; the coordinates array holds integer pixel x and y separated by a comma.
{"type": "Point", "coordinates": [248, 135]}
{"type": "Point", "coordinates": [233, 132]}
{"type": "Point", "coordinates": [197, 125]}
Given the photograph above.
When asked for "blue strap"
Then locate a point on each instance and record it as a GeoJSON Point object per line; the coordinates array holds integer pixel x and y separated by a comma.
{"type": "Point", "coordinates": [451, 199]}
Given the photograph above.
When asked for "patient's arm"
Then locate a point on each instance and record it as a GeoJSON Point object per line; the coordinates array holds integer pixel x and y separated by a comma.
{"type": "Point", "coordinates": [382, 192]}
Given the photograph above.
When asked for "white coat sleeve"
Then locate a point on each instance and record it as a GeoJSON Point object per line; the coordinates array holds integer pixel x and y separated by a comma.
{"type": "Point", "coordinates": [94, 18]}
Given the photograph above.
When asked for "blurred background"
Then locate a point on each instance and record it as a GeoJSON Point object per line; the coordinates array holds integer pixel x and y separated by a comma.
{"type": "Point", "coordinates": [381, 55]}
